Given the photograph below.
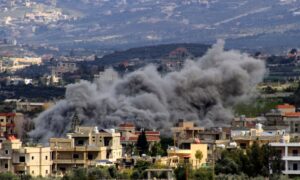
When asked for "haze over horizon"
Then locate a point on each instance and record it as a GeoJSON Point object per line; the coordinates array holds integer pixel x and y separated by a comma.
{"type": "Point", "coordinates": [246, 24]}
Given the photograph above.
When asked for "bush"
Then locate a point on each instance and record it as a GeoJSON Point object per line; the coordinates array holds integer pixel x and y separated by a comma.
{"type": "Point", "coordinates": [8, 176]}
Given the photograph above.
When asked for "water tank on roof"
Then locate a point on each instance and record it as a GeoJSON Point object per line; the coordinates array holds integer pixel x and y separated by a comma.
{"type": "Point", "coordinates": [96, 129]}
{"type": "Point", "coordinates": [233, 144]}
{"type": "Point", "coordinates": [112, 130]}
{"type": "Point", "coordinates": [258, 126]}
{"type": "Point", "coordinates": [222, 146]}
{"type": "Point", "coordinates": [243, 133]}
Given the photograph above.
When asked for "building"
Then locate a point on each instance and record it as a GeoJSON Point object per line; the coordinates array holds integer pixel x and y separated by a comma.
{"type": "Point", "coordinates": [187, 154]}
{"type": "Point", "coordinates": [185, 130]}
{"type": "Point", "coordinates": [245, 137]}
{"type": "Point", "coordinates": [185, 133]}
{"type": "Point", "coordinates": [248, 122]}
{"type": "Point", "coordinates": [7, 123]}
{"type": "Point", "coordinates": [129, 134]}
{"type": "Point", "coordinates": [86, 147]}
{"type": "Point", "coordinates": [64, 67]}
{"type": "Point", "coordinates": [13, 64]}
{"type": "Point", "coordinates": [27, 106]}
{"type": "Point", "coordinates": [286, 108]}
{"type": "Point", "coordinates": [34, 161]}
{"type": "Point", "coordinates": [290, 153]}
{"type": "Point", "coordinates": [274, 118]}
{"type": "Point", "coordinates": [107, 75]}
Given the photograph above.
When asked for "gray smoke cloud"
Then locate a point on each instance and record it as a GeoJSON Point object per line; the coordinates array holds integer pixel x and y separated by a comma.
{"type": "Point", "coordinates": [203, 91]}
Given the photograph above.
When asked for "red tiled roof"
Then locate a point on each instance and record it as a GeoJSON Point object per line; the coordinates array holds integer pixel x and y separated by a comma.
{"type": "Point", "coordinates": [12, 137]}
{"type": "Point", "coordinates": [284, 106]}
{"type": "Point", "coordinates": [127, 125]}
{"type": "Point", "coordinates": [148, 133]}
{"type": "Point", "coordinates": [292, 114]}
{"type": "Point", "coordinates": [7, 114]}
{"type": "Point", "coordinates": [135, 138]}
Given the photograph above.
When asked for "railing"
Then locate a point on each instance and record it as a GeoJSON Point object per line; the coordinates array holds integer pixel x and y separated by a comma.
{"type": "Point", "coordinates": [68, 161]}
{"type": "Point", "coordinates": [291, 172]}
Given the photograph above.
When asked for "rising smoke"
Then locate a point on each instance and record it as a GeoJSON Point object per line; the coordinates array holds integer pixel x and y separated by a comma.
{"type": "Point", "coordinates": [203, 91]}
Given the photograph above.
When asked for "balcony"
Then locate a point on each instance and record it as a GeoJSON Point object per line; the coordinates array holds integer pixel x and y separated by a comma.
{"type": "Point", "coordinates": [79, 148]}
{"type": "Point", "coordinates": [291, 157]}
{"type": "Point", "coordinates": [68, 161]}
{"type": "Point", "coordinates": [291, 172]}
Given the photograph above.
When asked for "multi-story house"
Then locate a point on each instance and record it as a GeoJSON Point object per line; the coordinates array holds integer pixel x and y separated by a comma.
{"type": "Point", "coordinates": [186, 133]}
{"type": "Point", "coordinates": [290, 154]}
{"type": "Point", "coordinates": [129, 134]}
{"type": "Point", "coordinates": [85, 147]}
{"type": "Point", "coordinates": [7, 125]}
{"type": "Point", "coordinates": [34, 161]}
{"type": "Point", "coordinates": [188, 154]}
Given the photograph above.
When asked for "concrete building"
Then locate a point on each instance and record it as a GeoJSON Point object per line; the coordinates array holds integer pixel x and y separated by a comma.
{"type": "Point", "coordinates": [64, 67]}
{"type": "Point", "coordinates": [129, 134]}
{"type": "Point", "coordinates": [7, 125]}
{"type": "Point", "coordinates": [28, 106]}
{"type": "Point", "coordinates": [185, 133]}
{"type": "Point", "coordinates": [286, 108]}
{"type": "Point", "coordinates": [34, 161]}
{"type": "Point", "coordinates": [85, 147]}
{"type": "Point", "coordinates": [14, 64]}
{"type": "Point", "coordinates": [247, 122]}
{"type": "Point", "coordinates": [290, 153]}
{"type": "Point", "coordinates": [107, 75]}
{"type": "Point", "coordinates": [245, 137]}
{"type": "Point", "coordinates": [187, 154]}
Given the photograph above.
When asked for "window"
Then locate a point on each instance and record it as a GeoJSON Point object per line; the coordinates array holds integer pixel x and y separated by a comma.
{"type": "Point", "coordinates": [32, 157]}
{"type": "Point", "coordinates": [295, 152]}
{"type": "Point", "coordinates": [22, 158]}
{"type": "Point", "coordinates": [32, 172]}
{"type": "Point", "coordinates": [6, 151]}
{"type": "Point", "coordinates": [90, 157]}
{"type": "Point", "coordinates": [75, 156]}
{"type": "Point", "coordinates": [80, 142]}
{"type": "Point", "coordinates": [46, 171]}
{"type": "Point", "coordinates": [6, 166]}
{"type": "Point", "coordinates": [1, 120]}
{"type": "Point", "coordinates": [46, 157]}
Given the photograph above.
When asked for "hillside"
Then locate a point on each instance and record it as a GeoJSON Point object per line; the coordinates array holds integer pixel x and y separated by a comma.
{"type": "Point", "coordinates": [151, 52]}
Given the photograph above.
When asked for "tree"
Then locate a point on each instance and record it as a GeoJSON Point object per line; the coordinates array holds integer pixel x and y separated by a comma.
{"type": "Point", "coordinates": [156, 150]}
{"type": "Point", "coordinates": [165, 143]}
{"type": "Point", "coordinates": [142, 143]}
{"type": "Point", "coordinates": [258, 161]}
{"type": "Point", "coordinates": [139, 169]}
{"type": "Point", "coordinates": [199, 157]}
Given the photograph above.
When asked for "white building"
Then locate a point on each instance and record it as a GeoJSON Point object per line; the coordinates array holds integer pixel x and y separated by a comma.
{"type": "Point", "coordinates": [107, 75]}
{"type": "Point", "coordinates": [290, 153]}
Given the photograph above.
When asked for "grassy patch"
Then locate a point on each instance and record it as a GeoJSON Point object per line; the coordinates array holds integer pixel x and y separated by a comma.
{"type": "Point", "coordinates": [256, 107]}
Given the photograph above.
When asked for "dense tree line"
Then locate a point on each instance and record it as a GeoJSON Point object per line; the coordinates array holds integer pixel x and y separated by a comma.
{"type": "Point", "coordinates": [256, 161]}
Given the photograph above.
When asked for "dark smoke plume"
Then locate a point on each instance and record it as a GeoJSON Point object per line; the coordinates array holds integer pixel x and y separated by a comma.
{"type": "Point", "coordinates": [203, 91]}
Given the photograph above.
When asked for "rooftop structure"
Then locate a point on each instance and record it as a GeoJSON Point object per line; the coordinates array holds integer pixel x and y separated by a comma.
{"type": "Point", "coordinates": [245, 137]}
